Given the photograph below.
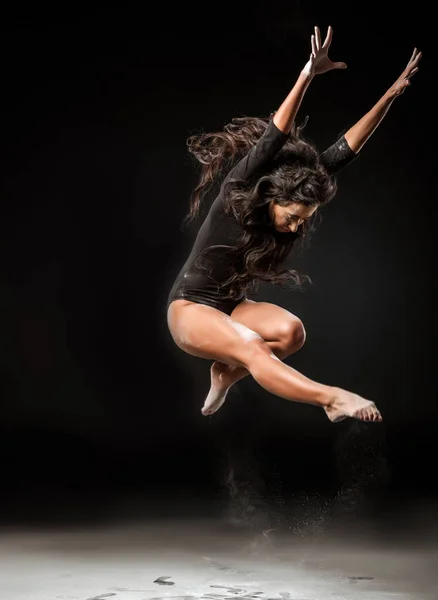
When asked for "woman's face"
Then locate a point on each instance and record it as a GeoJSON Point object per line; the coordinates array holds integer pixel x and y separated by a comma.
{"type": "Point", "coordinates": [288, 218]}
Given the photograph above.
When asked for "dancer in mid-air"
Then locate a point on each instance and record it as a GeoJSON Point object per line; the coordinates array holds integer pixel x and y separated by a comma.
{"type": "Point", "coordinates": [276, 182]}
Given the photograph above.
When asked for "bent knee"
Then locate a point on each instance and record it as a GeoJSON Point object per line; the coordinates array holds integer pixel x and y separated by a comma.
{"type": "Point", "coordinates": [291, 335]}
{"type": "Point", "coordinates": [254, 350]}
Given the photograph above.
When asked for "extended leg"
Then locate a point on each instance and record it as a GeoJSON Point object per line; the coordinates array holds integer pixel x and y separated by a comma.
{"type": "Point", "coordinates": [282, 331]}
{"type": "Point", "coordinates": [207, 333]}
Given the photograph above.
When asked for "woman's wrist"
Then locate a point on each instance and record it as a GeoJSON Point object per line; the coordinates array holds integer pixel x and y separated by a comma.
{"type": "Point", "coordinates": [390, 95]}
{"type": "Point", "coordinates": [306, 74]}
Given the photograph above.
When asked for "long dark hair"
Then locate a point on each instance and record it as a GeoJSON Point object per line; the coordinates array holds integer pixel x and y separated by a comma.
{"type": "Point", "coordinates": [294, 175]}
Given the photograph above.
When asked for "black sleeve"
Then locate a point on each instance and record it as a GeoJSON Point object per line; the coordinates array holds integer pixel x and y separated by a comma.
{"type": "Point", "coordinates": [337, 156]}
{"type": "Point", "coordinates": [266, 148]}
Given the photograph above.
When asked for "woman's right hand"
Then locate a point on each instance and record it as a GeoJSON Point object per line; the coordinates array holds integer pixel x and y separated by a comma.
{"type": "Point", "coordinates": [319, 61]}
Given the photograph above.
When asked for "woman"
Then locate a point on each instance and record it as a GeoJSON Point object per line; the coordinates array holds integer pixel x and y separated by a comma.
{"type": "Point", "coordinates": [266, 202]}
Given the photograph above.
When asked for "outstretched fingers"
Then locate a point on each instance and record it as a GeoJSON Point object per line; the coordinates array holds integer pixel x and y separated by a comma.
{"type": "Point", "coordinates": [328, 37]}
{"type": "Point", "coordinates": [413, 61]}
{"type": "Point", "coordinates": [416, 55]}
{"type": "Point", "coordinates": [339, 65]}
{"type": "Point", "coordinates": [318, 38]}
{"type": "Point", "coordinates": [412, 66]}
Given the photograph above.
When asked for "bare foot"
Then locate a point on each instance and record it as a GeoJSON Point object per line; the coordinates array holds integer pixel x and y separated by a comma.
{"type": "Point", "coordinates": [220, 385]}
{"type": "Point", "coordinates": [346, 404]}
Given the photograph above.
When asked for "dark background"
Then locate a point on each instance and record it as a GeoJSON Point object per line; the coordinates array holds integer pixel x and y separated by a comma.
{"type": "Point", "coordinates": [100, 412]}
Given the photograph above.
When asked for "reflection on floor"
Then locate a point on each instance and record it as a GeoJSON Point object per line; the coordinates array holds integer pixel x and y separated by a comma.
{"type": "Point", "coordinates": [191, 559]}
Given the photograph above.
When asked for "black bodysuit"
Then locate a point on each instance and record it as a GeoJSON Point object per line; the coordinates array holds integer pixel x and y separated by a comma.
{"type": "Point", "coordinates": [221, 229]}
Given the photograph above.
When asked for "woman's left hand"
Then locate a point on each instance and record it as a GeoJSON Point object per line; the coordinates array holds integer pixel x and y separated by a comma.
{"type": "Point", "coordinates": [399, 86]}
{"type": "Point", "coordinates": [319, 62]}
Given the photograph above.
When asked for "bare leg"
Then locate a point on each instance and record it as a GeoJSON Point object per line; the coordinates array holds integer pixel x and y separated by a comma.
{"type": "Point", "coordinates": [207, 333]}
{"type": "Point", "coordinates": [282, 331]}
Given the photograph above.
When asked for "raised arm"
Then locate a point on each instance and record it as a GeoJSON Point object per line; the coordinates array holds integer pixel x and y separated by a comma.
{"type": "Point", "coordinates": [345, 150]}
{"type": "Point", "coordinates": [280, 127]}
{"type": "Point", "coordinates": [318, 63]}
{"type": "Point", "coordinates": [361, 131]}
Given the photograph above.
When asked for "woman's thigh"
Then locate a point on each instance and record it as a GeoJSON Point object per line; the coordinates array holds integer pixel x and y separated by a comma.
{"type": "Point", "coordinates": [271, 322]}
{"type": "Point", "coordinates": [206, 332]}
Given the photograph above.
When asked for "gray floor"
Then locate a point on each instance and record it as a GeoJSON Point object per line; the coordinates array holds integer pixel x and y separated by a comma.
{"type": "Point", "coordinates": [204, 559]}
